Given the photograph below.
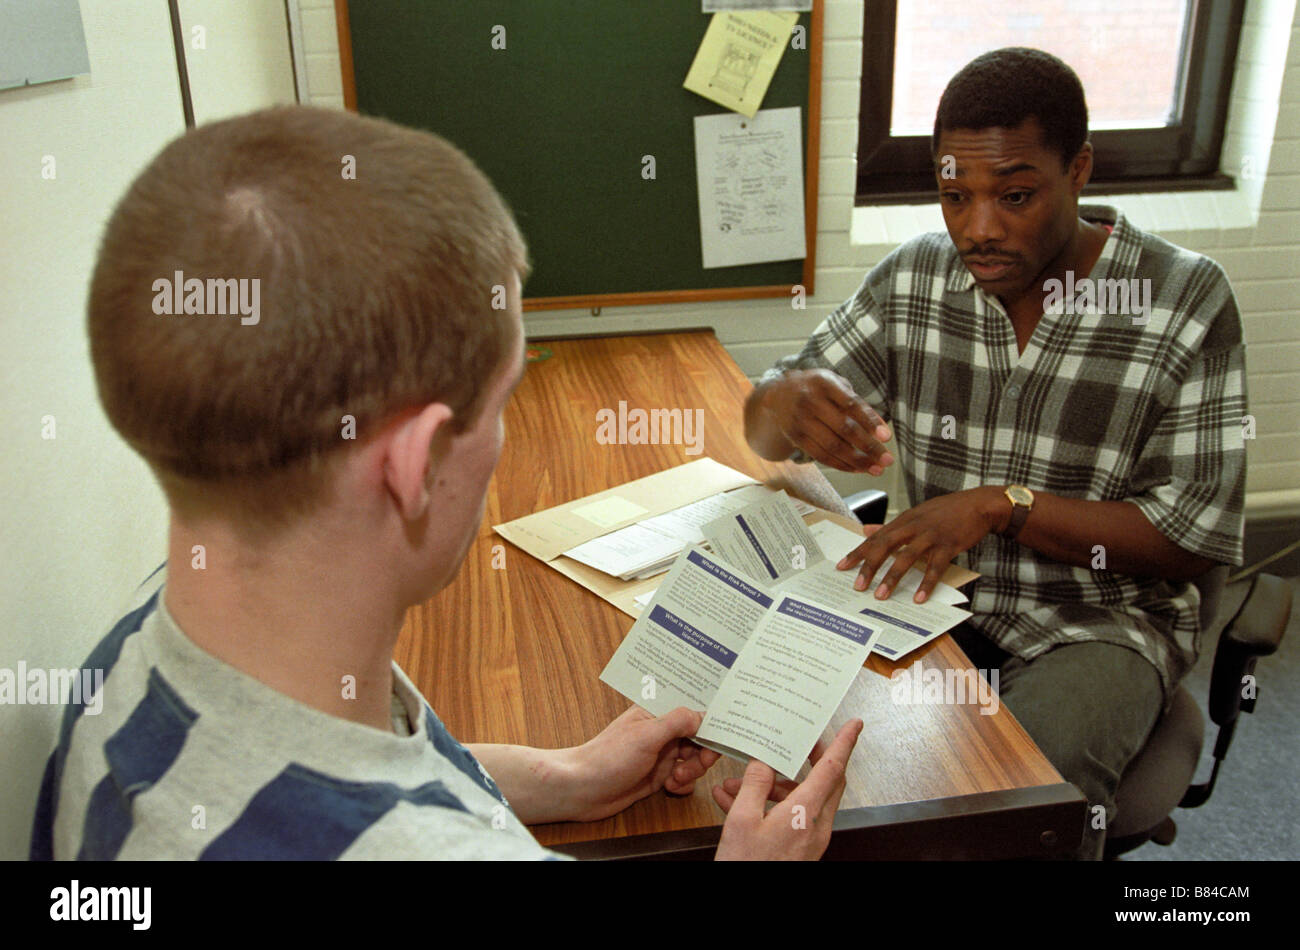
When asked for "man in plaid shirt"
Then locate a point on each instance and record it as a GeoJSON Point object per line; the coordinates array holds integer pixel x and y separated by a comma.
{"type": "Point", "coordinates": [1065, 393]}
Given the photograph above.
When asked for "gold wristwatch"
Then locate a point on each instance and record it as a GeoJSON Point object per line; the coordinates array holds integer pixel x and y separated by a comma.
{"type": "Point", "coordinates": [1022, 502]}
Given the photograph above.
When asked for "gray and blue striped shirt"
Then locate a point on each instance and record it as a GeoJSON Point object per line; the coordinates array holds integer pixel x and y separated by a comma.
{"type": "Point", "coordinates": [189, 758]}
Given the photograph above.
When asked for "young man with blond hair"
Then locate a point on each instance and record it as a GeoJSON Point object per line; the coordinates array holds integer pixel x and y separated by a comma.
{"type": "Point", "coordinates": [326, 466]}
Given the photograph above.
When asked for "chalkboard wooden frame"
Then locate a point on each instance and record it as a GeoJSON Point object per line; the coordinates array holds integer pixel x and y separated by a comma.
{"type": "Point", "coordinates": [674, 296]}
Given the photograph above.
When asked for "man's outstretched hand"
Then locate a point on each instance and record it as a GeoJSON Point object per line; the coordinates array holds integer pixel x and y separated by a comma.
{"type": "Point", "coordinates": [818, 411]}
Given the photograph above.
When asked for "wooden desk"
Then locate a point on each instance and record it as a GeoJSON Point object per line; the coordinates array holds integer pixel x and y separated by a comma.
{"type": "Point", "coordinates": [514, 654]}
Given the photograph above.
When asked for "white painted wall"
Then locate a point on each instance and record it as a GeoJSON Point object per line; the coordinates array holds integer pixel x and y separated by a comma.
{"type": "Point", "coordinates": [83, 522]}
{"type": "Point", "coordinates": [1254, 233]}
{"type": "Point", "coordinates": [243, 64]}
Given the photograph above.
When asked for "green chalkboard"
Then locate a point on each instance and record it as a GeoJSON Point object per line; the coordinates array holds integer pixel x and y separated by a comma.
{"type": "Point", "coordinates": [560, 120]}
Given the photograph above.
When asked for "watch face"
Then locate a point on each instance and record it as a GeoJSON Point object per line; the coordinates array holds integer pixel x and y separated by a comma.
{"type": "Point", "coordinates": [1020, 495]}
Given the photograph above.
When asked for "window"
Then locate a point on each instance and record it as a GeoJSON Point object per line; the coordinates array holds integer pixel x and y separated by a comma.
{"type": "Point", "coordinates": [1156, 74]}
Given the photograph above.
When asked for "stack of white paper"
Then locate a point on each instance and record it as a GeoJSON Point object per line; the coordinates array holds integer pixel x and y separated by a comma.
{"type": "Point", "coordinates": [649, 547]}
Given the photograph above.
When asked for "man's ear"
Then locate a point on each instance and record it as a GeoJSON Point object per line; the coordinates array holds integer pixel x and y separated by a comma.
{"type": "Point", "coordinates": [1081, 168]}
{"type": "Point", "coordinates": [407, 458]}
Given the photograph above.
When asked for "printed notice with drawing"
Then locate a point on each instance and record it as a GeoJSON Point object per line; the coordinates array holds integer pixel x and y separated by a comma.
{"type": "Point", "coordinates": [750, 174]}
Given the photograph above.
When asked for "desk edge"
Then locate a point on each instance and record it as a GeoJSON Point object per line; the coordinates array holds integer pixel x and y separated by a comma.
{"type": "Point", "coordinates": [1039, 821]}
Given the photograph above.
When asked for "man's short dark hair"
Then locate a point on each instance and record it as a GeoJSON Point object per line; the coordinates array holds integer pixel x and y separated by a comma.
{"type": "Point", "coordinates": [1003, 88]}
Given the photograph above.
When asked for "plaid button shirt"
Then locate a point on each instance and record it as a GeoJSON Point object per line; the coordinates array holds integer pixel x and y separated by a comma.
{"type": "Point", "coordinates": [1099, 407]}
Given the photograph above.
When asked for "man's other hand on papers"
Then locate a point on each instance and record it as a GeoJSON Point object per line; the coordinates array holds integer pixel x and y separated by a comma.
{"type": "Point", "coordinates": [928, 536]}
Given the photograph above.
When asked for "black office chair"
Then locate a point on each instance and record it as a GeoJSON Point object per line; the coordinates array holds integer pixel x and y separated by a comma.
{"type": "Point", "coordinates": [1159, 778]}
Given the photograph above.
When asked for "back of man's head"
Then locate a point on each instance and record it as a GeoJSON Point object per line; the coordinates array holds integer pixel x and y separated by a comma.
{"type": "Point", "coordinates": [1005, 87]}
{"type": "Point", "coordinates": [375, 255]}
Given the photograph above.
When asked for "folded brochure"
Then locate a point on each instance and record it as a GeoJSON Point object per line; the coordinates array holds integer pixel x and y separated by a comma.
{"type": "Point", "coordinates": [768, 671]}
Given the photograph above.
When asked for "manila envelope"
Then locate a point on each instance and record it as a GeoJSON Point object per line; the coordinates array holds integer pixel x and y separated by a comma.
{"type": "Point", "coordinates": [546, 535]}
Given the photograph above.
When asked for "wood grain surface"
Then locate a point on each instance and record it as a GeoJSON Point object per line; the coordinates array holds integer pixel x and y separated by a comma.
{"type": "Point", "coordinates": [514, 654]}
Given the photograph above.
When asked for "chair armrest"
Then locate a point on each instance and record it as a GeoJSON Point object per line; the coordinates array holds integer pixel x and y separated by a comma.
{"type": "Point", "coordinates": [1254, 631]}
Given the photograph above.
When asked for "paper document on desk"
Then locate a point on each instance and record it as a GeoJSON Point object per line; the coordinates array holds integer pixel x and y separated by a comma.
{"type": "Point", "coordinates": [649, 547]}
{"type": "Point", "coordinates": [548, 534]}
{"type": "Point", "coordinates": [770, 541]}
{"type": "Point", "coordinates": [834, 542]}
{"type": "Point", "coordinates": [769, 671]}
{"type": "Point", "coordinates": [767, 539]}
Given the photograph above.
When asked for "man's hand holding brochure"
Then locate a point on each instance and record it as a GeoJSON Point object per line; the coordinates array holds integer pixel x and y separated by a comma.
{"type": "Point", "coordinates": [768, 672]}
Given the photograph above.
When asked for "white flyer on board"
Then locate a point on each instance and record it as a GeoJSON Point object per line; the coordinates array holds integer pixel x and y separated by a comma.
{"type": "Point", "coordinates": [750, 174]}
